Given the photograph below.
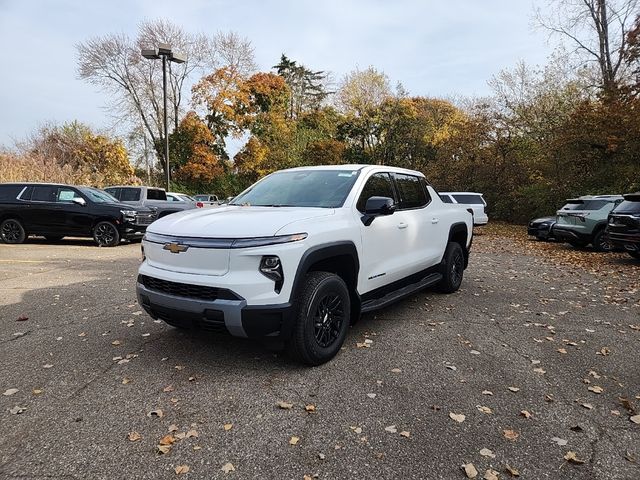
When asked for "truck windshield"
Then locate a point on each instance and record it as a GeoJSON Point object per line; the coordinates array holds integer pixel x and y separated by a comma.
{"type": "Point", "coordinates": [98, 196]}
{"type": "Point", "coordinates": [300, 188]}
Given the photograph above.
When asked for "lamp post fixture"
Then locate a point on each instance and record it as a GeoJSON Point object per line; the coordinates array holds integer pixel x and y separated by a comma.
{"type": "Point", "coordinates": [164, 50]}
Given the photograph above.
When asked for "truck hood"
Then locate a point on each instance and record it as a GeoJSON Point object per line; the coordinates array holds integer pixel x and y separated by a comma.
{"type": "Point", "coordinates": [234, 221]}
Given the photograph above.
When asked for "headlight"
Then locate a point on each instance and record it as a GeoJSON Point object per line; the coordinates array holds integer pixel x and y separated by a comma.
{"type": "Point", "coordinates": [129, 214]}
{"type": "Point", "coordinates": [271, 267]}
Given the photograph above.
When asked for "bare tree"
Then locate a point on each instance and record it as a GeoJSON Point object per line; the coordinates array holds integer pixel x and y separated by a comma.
{"type": "Point", "coordinates": [598, 31]}
{"type": "Point", "coordinates": [114, 63]}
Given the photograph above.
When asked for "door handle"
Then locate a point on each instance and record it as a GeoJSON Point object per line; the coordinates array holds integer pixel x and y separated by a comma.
{"type": "Point", "coordinates": [402, 225]}
{"type": "Point", "coordinates": [435, 220]}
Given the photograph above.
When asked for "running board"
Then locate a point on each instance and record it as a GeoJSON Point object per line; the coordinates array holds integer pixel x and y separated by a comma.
{"type": "Point", "coordinates": [396, 295]}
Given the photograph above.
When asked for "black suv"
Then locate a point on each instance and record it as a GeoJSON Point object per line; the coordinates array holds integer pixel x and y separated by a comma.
{"type": "Point", "coordinates": [55, 211]}
{"type": "Point", "coordinates": [623, 225]}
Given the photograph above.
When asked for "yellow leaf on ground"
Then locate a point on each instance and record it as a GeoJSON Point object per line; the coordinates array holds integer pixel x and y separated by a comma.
{"type": "Point", "coordinates": [180, 469]}
{"type": "Point", "coordinates": [134, 436]}
{"type": "Point", "coordinates": [294, 440]}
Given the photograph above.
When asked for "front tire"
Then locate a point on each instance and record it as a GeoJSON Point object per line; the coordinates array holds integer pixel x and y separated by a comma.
{"type": "Point", "coordinates": [105, 234]}
{"type": "Point", "coordinates": [322, 318]}
{"type": "Point", "coordinates": [12, 231]}
{"type": "Point", "coordinates": [452, 268]}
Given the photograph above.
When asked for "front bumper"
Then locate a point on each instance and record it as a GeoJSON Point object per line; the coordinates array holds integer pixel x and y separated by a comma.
{"type": "Point", "coordinates": [130, 230]}
{"type": "Point", "coordinates": [220, 315]}
{"type": "Point", "coordinates": [622, 241]}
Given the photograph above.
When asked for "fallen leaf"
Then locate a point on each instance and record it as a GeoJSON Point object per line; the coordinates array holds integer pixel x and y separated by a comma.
{"type": "Point", "coordinates": [539, 370]}
{"type": "Point", "coordinates": [321, 456]}
{"type": "Point", "coordinates": [173, 428]}
{"type": "Point", "coordinates": [10, 391]}
{"type": "Point", "coordinates": [167, 440]}
{"type": "Point", "coordinates": [572, 458]}
{"type": "Point", "coordinates": [485, 452]}
{"type": "Point", "coordinates": [164, 449]}
{"type": "Point", "coordinates": [396, 370]}
{"type": "Point", "coordinates": [155, 413]}
{"type": "Point", "coordinates": [490, 475]}
{"type": "Point", "coordinates": [180, 469]}
{"type": "Point", "coordinates": [22, 318]}
{"type": "Point", "coordinates": [134, 436]}
{"type": "Point", "coordinates": [168, 388]}
{"type": "Point", "coordinates": [391, 429]}
{"type": "Point", "coordinates": [17, 410]}
{"type": "Point", "coordinates": [116, 343]}
{"type": "Point", "coordinates": [512, 471]}
{"type": "Point", "coordinates": [514, 389]}
{"type": "Point", "coordinates": [371, 395]}
{"type": "Point", "coordinates": [458, 417]}
{"type": "Point", "coordinates": [487, 392]}
{"type": "Point", "coordinates": [484, 409]}
{"type": "Point", "coordinates": [47, 365]}
{"type": "Point", "coordinates": [126, 381]}
{"type": "Point", "coordinates": [357, 430]}
{"type": "Point", "coordinates": [192, 434]}
{"type": "Point", "coordinates": [510, 434]}
{"type": "Point", "coordinates": [285, 405]}
{"type": "Point", "coordinates": [560, 441]}
{"type": "Point", "coordinates": [595, 389]}
{"type": "Point", "coordinates": [635, 419]}
{"type": "Point", "coordinates": [604, 351]}
{"type": "Point", "coordinates": [227, 426]}
{"type": "Point", "coordinates": [228, 468]}
{"type": "Point", "coordinates": [588, 406]}
{"type": "Point", "coordinates": [526, 413]}
{"type": "Point", "coordinates": [469, 470]}
{"type": "Point", "coordinates": [37, 391]}
{"type": "Point", "coordinates": [310, 408]}
{"type": "Point", "coordinates": [562, 350]}
{"type": "Point", "coordinates": [405, 434]}
{"type": "Point", "coordinates": [179, 367]}
{"type": "Point", "coordinates": [294, 440]}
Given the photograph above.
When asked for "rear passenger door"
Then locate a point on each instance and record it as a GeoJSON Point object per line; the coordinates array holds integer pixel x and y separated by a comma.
{"type": "Point", "coordinates": [426, 233]}
{"type": "Point", "coordinates": [44, 216]}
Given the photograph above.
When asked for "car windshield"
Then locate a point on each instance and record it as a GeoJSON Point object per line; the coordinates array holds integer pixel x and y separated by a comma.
{"type": "Point", "coordinates": [98, 196]}
{"type": "Point", "coordinates": [628, 206]}
{"type": "Point", "coordinates": [300, 188]}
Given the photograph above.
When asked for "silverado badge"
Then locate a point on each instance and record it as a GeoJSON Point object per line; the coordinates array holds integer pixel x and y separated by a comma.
{"type": "Point", "coordinates": [175, 247]}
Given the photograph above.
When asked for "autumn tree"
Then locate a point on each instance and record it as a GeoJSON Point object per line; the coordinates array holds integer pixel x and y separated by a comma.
{"type": "Point", "coordinates": [308, 87]}
{"type": "Point", "coordinates": [114, 63]}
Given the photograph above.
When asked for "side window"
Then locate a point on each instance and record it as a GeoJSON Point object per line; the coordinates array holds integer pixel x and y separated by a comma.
{"type": "Point", "coordinates": [412, 195]}
{"type": "Point", "coordinates": [114, 192]}
{"type": "Point", "coordinates": [10, 192]}
{"type": "Point", "coordinates": [378, 185]}
{"type": "Point", "coordinates": [129, 194]}
{"type": "Point", "coordinates": [156, 194]}
{"type": "Point", "coordinates": [445, 199]}
{"type": "Point", "coordinates": [67, 195]}
{"type": "Point", "coordinates": [43, 193]}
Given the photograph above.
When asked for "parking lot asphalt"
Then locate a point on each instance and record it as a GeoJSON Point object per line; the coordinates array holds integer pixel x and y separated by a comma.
{"type": "Point", "coordinates": [532, 359]}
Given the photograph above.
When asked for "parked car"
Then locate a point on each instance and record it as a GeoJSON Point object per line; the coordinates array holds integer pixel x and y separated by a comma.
{"type": "Point", "coordinates": [468, 199]}
{"type": "Point", "coordinates": [56, 211]}
{"type": "Point", "coordinates": [179, 197]}
{"type": "Point", "coordinates": [542, 228]}
{"type": "Point", "coordinates": [582, 221]}
{"type": "Point", "coordinates": [207, 199]}
{"type": "Point", "coordinates": [623, 227]}
{"type": "Point", "coordinates": [154, 198]}
{"type": "Point", "coordinates": [302, 253]}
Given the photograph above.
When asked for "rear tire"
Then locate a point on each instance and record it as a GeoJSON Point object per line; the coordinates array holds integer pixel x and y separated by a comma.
{"type": "Point", "coordinates": [322, 318]}
{"type": "Point", "coordinates": [105, 234]}
{"type": "Point", "coordinates": [12, 231]}
{"type": "Point", "coordinates": [600, 242]}
{"type": "Point", "coordinates": [452, 268]}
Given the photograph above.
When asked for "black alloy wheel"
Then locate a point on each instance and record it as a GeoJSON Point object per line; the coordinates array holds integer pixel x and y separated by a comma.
{"type": "Point", "coordinates": [105, 234]}
{"type": "Point", "coordinates": [328, 319]}
{"type": "Point", "coordinates": [323, 316]}
{"type": "Point", "coordinates": [12, 231]}
{"type": "Point", "coordinates": [601, 242]}
{"type": "Point", "coordinates": [452, 268]}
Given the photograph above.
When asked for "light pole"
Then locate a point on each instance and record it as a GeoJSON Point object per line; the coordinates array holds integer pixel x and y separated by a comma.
{"type": "Point", "coordinates": [164, 50]}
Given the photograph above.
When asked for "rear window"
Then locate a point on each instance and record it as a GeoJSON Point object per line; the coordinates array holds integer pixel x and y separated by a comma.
{"type": "Point", "coordinates": [628, 206]}
{"type": "Point", "coordinates": [446, 199]}
{"type": "Point", "coordinates": [129, 194]}
{"type": "Point", "coordinates": [469, 199]}
{"type": "Point", "coordinates": [412, 195]}
{"type": "Point", "coordinates": [202, 198]}
{"type": "Point", "coordinates": [156, 194]}
{"type": "Point", "coordinates": [585, 205]}
{"type": "Point", "coordinates": [10, 192]}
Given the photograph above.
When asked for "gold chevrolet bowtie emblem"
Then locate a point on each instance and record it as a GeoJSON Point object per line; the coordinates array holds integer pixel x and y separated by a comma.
{"type": "Point", "coordinates": [175, 247]}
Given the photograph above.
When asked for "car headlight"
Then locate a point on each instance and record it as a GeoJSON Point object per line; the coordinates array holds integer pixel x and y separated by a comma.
{"type": "Point", "coordinates": [271, 267]}
{"type": "Point", "coordinates": [129, 214]}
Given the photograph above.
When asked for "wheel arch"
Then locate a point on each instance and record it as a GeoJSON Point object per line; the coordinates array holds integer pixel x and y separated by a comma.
{"type": "Point", "coordinates": [458, 233]}
{"type": "Point", "coordinates": [340, 258]}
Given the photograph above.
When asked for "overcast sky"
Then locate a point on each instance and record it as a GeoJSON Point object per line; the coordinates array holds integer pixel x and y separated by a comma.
{"type": "Point", "coordinates": [434, 47]}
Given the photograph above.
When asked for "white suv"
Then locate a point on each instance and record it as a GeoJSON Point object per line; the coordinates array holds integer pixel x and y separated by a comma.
{"type": "Point", "coordinates": [472, 200]}
{"type": "Point", "coordinates": [302, 253]}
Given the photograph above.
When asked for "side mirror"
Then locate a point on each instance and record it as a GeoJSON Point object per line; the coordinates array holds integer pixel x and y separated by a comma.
{"type": "Point", "coordinates": [79, 201]}
{"type": "Point", "coordinates": [377, 206]}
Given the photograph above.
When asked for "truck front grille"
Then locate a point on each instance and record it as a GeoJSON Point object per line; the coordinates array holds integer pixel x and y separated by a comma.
{"type": "Point", "coordinates": [186, 290]}
{"type": "Point", "coordinates": [145, 218]}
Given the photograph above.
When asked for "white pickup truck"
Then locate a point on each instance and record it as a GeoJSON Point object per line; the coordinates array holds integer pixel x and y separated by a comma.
{"type": "Point", "coordinates": [302, 253]}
